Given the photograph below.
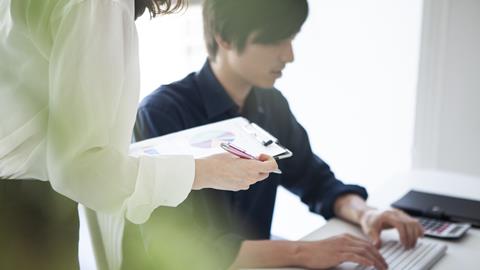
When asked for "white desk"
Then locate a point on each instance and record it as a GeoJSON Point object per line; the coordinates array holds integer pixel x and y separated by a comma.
{"type": "Point", "coordinates": [461, 254]}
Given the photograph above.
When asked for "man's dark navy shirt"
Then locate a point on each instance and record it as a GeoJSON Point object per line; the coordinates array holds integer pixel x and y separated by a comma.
{"type": "Point", "coordinates": [200, 99]}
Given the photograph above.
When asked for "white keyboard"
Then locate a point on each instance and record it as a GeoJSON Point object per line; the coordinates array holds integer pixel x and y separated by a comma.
{"type": "Point", "coordinates": [423, 256]}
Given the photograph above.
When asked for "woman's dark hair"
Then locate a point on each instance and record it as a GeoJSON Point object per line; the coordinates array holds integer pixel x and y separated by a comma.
{"type": "Point", "coordinates": [235, 20]}
{"type": "Point", "coordinates": [157, 7]}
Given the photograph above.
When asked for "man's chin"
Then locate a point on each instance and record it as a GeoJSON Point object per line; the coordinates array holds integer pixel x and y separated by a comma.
{"type": "Point", "coordinates": [266, 84]}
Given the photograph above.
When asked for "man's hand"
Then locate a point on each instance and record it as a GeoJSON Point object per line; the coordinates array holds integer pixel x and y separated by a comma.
{"type": "Point", "coordinates": [374, 221]}
{"type": "Point", "coordinates": [335, 250]}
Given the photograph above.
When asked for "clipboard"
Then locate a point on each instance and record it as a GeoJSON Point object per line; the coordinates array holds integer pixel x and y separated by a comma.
{"type": "Point", "coordinates": [266, 139]}
{"type": "Point", "coordinates": [205, 140]}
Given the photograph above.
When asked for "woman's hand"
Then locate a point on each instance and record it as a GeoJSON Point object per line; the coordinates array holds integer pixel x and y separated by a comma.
{"type": "Point", "coordinates": [228, 172]}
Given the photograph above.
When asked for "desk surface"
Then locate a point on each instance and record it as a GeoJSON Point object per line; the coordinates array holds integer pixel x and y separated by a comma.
{"type": "Point", "coordinates": [461, 254]}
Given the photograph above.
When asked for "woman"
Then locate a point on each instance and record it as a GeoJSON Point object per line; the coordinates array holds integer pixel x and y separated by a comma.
{"type": "Point", "coordinates": [69, 85]}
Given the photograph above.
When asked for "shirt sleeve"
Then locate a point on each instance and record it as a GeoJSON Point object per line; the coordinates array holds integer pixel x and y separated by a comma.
{"type": "Point", "coordinates": [307, 175]}
{"type": "Point", "coordinates": [94, 87]}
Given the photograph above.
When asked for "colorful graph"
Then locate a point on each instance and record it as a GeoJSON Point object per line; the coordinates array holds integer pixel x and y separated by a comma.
{"type": "Point", "coordinates": [213, 138]}
{"type": "Point", "coordinates": [150, 151]}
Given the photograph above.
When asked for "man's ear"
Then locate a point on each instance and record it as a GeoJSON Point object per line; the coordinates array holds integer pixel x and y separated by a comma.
{"type": "Point", "coordinates": [222, 43]}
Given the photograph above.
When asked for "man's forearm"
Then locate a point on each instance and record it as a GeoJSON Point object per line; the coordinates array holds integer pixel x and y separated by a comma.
{"type": "Point", "coordinates": [351, 207]}
{"type": "Point", "coordinates": [268, 253]}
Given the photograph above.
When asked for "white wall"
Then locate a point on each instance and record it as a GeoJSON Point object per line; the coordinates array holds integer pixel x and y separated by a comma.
{"type": "Point", "coordinates": [447, 133]}
{"type": "Point", "coordinates": [170, 47]}
{"type": "Point", "coordinates": [353, 84]}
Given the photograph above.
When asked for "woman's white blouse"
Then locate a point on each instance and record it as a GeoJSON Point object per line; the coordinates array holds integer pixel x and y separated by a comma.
{"type": "Point", "coordinates": [69, 86]}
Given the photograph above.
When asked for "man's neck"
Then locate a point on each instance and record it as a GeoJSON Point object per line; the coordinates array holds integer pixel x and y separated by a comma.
{"type": "Point", "coordinates": [237, 88]}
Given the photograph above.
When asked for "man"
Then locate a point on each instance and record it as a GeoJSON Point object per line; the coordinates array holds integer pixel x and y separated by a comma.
{"type": "Point", "coordinates": [249, 43]}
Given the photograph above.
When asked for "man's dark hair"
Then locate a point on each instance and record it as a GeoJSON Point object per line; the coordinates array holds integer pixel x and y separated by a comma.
{"type": "Point", "coordinates": [235, 20]}
{"type": "Point", "coordinates": [157, 7]}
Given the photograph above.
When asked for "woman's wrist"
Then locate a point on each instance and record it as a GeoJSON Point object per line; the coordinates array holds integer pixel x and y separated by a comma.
{"type": "Point", "coordinates": [198, 181]}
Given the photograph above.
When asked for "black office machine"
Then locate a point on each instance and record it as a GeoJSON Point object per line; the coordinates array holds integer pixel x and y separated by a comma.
{"type": "Point", "coordinates": [441, 216]}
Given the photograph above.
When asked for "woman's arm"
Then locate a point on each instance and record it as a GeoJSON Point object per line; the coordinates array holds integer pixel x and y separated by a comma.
{"type": "Point", "coordinates": [94, 85]}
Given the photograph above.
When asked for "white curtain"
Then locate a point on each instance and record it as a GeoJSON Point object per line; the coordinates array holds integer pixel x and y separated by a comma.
{"type": "Point", "coordinates": [447, 129]}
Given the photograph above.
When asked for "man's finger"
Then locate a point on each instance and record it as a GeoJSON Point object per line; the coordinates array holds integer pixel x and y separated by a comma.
{"type": "Point", "coordinates": [352, 257]}
{"type": "Point", "coordinates": [412, 235]}
{"type": "Point", "coordinates": [374, 235]}
{"type": "Point", "coordinates": [358, 245]}
{"type": "Point", "coordinates": [402, 231]}
{"type": "Point", "coordinates": [420, 230]}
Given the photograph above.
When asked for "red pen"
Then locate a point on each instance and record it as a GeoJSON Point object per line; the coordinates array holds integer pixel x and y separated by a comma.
{"type": "Point", "coordinates": [237, 151]}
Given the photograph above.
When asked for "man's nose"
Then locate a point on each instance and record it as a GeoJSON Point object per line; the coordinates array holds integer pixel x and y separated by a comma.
{"type": "Point", "coordinates": [287, 52]}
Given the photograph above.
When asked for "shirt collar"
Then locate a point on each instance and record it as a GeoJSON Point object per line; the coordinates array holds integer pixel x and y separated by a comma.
{"type": "Point", "coordinates": [216, 99]}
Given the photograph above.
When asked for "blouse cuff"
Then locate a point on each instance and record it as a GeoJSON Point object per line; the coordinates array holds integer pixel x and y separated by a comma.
{"type": "Point", "coordinates": [161, 181]}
